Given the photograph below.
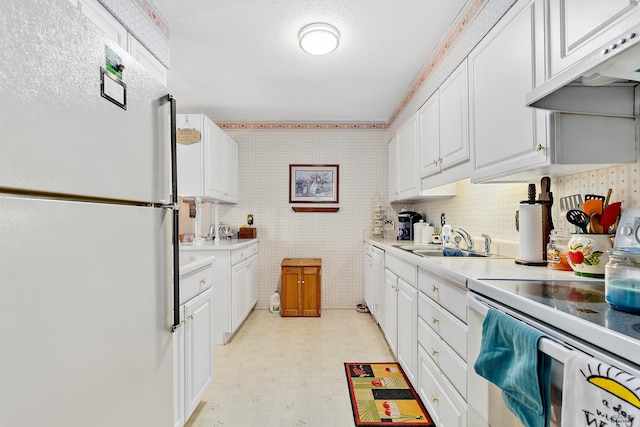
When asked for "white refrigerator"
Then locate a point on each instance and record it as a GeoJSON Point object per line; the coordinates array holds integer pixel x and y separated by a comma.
{"type": "Point", "coordinates": [86, 227]}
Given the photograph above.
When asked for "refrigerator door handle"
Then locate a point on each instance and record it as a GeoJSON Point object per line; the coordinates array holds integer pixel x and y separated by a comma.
{"type": "Point", "coordinates": [176, 218]}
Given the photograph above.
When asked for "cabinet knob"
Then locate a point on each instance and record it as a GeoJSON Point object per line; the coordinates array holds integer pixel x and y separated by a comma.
{"type": "Point", "coordinates": [539, 147]}
{"type": "Point", "coordinates": [434, 399]}
{"type": "Point", "coordinates": [192, 316]}
{"type": "Point", "coordinates": [434, 288]}
{"type": "Point", "coordinates": [435, 162]}
{"type": "Point", "coordinates": [434, 352]}
{"type": "Point", "coordinates": [434, 320]}
{"type": "Point", "coordinates": [303, 282]}
{"type": "Point", "coordinates": [203, 281]}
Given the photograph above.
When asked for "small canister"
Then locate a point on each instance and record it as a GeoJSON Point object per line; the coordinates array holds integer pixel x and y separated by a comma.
{"type": "Point", "coordinates": [622, 280]}
{"type": "Point", "coordinates": [557, 250]}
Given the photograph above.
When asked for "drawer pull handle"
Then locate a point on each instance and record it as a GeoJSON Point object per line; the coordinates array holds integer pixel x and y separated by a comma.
{"type": "Point", "coordinates": [434, 352]}
{"type": "Point", "coordinates": [434, 399]}
{"type": "Point", "coordinates": [434, 288]}
{"type": "Point", "coordinates": [434, 320]}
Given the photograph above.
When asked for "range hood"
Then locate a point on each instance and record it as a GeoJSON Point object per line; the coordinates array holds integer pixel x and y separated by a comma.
{"type": "Point", "coordinates": [604, 83]}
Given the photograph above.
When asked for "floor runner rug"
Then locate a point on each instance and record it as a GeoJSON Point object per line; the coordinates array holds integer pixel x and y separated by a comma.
{"type": "Point", "coordinates": [381, 395]}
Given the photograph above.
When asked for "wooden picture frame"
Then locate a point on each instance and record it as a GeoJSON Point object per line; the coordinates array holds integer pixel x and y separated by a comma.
{"type": "Point", "coordinates": [314, 183]}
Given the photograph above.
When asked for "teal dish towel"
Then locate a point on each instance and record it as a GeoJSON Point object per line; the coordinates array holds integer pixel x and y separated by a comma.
{"type": "Point", "coordinates": [510, 359]}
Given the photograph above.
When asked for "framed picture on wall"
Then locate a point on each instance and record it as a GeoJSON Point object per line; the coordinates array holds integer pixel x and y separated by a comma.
{"type": "Point", "coordinates": [313, 183]}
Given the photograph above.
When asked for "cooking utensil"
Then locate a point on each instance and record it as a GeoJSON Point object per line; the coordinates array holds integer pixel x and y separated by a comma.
{"type": "Point", "coordinates": [610, 216]}
{"type": "Point", "coordinates": [595, 225]}
{"type": "Point", "coordinates": [606, 199]}
{"type": "Point", "coordinates": [568, 203]}
{"type": "Point", "coordinates": [578, 218]}
{"type": "Point", "coordinates": [594, 197]}
{"type": "Point", "coordinates": [592, 206]}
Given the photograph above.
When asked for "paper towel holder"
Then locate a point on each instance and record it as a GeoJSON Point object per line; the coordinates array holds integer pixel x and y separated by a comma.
{"type": "Point", "coordinates": [545, 201]}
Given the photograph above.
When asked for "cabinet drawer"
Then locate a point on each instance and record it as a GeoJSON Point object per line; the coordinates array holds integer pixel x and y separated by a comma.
{"type": "Point", "coordinates": [403, 269]}
{"type": "Point", "coordinates": [448, 295]}
{"type": "Point", "coordinates": [454, 368]}
{"type": "Point", "coordinates": [195, 282]}
{"type": "Point", "coordinates": [450, 329]}
{"type": "Point", "coordinates": [239, 255]}
{"type": "Point", "coordinates": [443, 403]}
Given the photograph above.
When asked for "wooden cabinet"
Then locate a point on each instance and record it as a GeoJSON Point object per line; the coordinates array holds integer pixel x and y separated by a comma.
{"type": "Point", "coordinates": [207, 169]}
{"type": "Point", "coordinates": [576, 28]}
{"type": "Point", "coordinates": [193, 351]}
{"type": "Point", "coordinates": [444, 129]}
{"type": "Point", "coordinates": [301, 287]}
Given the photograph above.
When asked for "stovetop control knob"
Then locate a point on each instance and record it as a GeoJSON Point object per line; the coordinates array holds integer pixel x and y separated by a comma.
{"type": "Point", "coordinates": [625, 230]}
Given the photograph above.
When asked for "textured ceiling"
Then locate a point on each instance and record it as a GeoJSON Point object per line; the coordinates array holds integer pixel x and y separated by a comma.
{"type": "Point", "coordinates": [240, 61]}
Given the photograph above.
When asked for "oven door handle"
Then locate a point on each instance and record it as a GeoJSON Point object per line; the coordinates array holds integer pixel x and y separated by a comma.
{"type": "Point", "coordinates": [546, 344]}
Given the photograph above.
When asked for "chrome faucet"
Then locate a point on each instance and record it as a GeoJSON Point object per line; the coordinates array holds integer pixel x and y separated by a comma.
{"type": "Point", "coordinates": [487, 244]}
{"type": "Point", "coordinates": [467, 238]}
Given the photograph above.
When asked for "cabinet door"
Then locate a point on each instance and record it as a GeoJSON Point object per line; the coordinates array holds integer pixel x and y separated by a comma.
{"type": "Point", "coordinates": [199, 350]}
{"type": "Point", "coordinates": [190, 160]}
{"type": "Point", "coordinates": [454, 118]}
{"type": "Point", "coordinates": [429, 136]}
{"type": "Point", "coordinates": [392, 153]}
{"type": "Point", "coordinates": [239, 295]}
{"type": "Point", "coordinates": [230, 190]}
{"type": "Point", "coordinates": [579, 27]}
{"type": "Point", "coordinates": [408, 173]}
{"type": "Point", "coordinates": [100, 16]}
{"type": "Point", "coordinates": [408, 329]}
{"type": "Point", "coordinates": [290, 292]}
{"type": "Point", "coordinates": [214, 167]}
{"type": "Point", "coordinates": [506, 136]}
{"type": "Point", "coordinates": [391, 310]}
{"type": "Point", "coordinates": [311, 291]}
{"type": "Point", "coordinates": [252, 282]}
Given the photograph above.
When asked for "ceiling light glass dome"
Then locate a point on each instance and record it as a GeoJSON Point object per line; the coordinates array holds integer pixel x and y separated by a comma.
{"type": "Point", "coordinates": [319, 38]}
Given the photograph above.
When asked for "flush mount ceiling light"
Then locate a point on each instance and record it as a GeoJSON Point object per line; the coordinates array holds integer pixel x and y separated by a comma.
{"type": "Point", "coordinates": [319, 38]}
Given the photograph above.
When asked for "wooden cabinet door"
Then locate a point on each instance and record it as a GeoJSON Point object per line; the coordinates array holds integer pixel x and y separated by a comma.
{"type": "Point", "coordinates": [290, 292]}
{"type": "Point", "coordinates": [310, 298]}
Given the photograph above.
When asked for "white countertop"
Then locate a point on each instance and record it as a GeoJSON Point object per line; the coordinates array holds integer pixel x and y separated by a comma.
{"type": "Point", "coordinates": [459, 269]}
{"type": "Point", "coordinates": [215, 245]}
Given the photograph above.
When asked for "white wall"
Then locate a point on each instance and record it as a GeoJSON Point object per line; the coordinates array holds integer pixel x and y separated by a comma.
{"type": "Point", "coordinates": [265, 156]}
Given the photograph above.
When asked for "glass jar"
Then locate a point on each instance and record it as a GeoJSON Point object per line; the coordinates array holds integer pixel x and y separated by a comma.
{"type": "Point", "coordinates": [622, 280]}
{"type": "Point", "coordinates": [557, 250]}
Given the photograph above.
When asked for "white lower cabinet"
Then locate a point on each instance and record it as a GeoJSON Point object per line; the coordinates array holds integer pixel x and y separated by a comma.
{"type": "Point", "coordinates": [444, 405]}
{"type": "Point", "coordinates": [442, 348]}
{"type": "Point", "coordinates": [193, 356]}
{"type": "Point", "coordinates": [390, 323]}
{"type": "Point", "coordinates": [244, 290]}
{"type": "Point", "coordinates": [407, 330]}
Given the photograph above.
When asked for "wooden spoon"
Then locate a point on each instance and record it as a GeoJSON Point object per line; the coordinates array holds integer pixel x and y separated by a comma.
{"type": "Point", "coordinates": [595, 225]}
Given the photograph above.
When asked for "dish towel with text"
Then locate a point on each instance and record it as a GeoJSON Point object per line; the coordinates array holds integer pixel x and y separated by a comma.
{"type": "Point", "coordinates": [510, 359]}
{"type": "Point", "coordinates": [602, 395]}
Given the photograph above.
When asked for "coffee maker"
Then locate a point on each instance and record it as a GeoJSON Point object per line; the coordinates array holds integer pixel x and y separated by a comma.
{"type": "Point", "coordinates": [406, 219]}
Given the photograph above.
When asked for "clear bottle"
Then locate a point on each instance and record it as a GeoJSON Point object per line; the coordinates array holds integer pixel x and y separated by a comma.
{"type": "Point", "coordinates": [557, 250]}
{"type": "Point", "coordinates": [622, 280]}
{"type": "Point", "coordinates": [274, 307]}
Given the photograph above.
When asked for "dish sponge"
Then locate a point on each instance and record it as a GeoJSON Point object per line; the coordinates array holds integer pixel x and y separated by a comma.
{"type": "Point", "coordinates": [451, 250]}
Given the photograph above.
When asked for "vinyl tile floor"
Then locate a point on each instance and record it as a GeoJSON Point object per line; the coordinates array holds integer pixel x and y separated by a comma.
{"type": "Point", "coordinates": [289, 372]}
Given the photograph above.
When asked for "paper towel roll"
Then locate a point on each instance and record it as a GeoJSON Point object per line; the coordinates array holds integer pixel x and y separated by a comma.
{"type": "Point", "coordinates": [531, 238]}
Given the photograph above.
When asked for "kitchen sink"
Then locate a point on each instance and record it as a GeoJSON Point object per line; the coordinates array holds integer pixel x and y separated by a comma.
{"type": "Point", "coordinates": [436, 251]}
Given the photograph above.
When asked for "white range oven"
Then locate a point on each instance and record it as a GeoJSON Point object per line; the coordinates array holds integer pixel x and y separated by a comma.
{"type": "Point", "coordinates": [573, 315]}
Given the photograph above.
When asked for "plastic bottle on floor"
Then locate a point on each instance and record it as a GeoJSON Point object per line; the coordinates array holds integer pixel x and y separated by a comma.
{"type": "Point", "coordinates": [274, 307]}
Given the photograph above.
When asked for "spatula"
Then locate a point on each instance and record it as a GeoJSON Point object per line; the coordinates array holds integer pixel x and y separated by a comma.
{"type": "Point", "coordinates": [579, 218]}
{"type": "Point", "coordinates": [594, 197]}
{"type": "Point", "coordinates": [610, 216]}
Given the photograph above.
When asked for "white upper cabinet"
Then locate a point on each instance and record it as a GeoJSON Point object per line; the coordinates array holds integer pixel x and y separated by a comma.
{"type": "Point", "coordinates": [444, 127]}
{"type": "Point", "coordinates": [404, 176]}
{"type": "Point", "coordinates": [506, 136]}
{"type": "Point", "coordinates": [408, 173]}
{"type": "Point", "coordinates": [207, 169]}
{"type": "Point", "coordinates": [579, 27]}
